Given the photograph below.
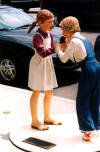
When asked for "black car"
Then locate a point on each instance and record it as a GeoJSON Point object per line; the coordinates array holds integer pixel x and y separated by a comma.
{"type": "Point", "coordinates": [16, 47]}
{"type": "Point", "coordinates": [24, 4]}
{"type": "Point", "coordinates": [87, 11]}
{"type": "Point", "coordinates": [97, 48]}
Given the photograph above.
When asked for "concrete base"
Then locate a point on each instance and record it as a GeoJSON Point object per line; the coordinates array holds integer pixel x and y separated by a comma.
{"type": "Point", "coordinates": [67, 137]}
{"type": "Point", "coordinates": [15, 121]}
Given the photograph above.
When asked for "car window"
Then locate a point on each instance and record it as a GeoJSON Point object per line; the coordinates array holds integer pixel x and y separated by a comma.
{"type": "Point", "coordinates": [13, 18]}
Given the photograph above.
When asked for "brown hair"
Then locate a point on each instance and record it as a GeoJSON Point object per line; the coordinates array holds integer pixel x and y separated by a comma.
{"type": "Point", "coordinates": [42, 15]}
{"type": "Point", "coordinates": [70, 24]}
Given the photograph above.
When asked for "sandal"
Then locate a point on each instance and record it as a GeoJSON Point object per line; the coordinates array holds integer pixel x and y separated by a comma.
{"type": "Point", "coordinates": [52, 123]}
{"type": "Point", "coordinates": [40, 127]}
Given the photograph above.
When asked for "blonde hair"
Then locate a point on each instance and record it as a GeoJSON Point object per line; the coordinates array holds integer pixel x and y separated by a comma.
{"type": "Point", "coordinates": [70, 24]}
{"type": "Point", "coordinates": [42, 16]}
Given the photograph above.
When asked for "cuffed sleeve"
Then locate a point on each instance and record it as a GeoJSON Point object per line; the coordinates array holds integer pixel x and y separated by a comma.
{"type": "Point", "coordinates": [38, 45]}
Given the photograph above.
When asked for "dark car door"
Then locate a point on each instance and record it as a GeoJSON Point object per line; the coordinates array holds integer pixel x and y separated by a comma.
{"type": "Point", "coordinates": [63, 8]}
{"type": "Point", "coordinates": [87, 11]}
{"type": "Point", "coordinates": [95, 17]}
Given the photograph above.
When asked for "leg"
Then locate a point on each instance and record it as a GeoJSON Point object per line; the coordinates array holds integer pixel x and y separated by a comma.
{"type": "Point", "coordinates": [47, 103]}
{"type": "Point", "coordinates": [83, 103]}
{"type": "Point", "coordinates": [34, 106]}
{"type": "Point", "coordinates": [34, 111]}
{"type": "Point", "coordinates": [95, 103]}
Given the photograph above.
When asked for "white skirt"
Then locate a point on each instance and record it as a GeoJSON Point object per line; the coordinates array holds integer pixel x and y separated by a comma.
{"type": "Point", "coordinates": [41, 73]}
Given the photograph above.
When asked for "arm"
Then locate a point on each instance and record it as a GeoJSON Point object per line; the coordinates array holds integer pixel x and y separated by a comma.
{"type": "Point", "coordinates": [64, 55]}
{"type": "Point", "coordinates": [38, 44]}
{"type": "Point", "coordinates": [75, 48]}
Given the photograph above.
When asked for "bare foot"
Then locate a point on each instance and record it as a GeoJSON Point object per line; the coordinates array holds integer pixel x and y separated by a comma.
{"type": "Point", "coordinates": [40, 126]}
{"type": "Point", "coordinates": [52, 122]}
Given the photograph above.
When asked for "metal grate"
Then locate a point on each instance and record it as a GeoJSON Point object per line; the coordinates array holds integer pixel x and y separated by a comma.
{"type": "Point", "coordinates": [39, 143]}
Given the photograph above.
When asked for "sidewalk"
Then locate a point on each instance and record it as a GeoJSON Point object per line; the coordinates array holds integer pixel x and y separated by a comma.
{"type": "Point", "coordinates": [15, 114]}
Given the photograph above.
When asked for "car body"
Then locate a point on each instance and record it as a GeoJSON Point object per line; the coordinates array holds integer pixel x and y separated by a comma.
{"type": "Point", "coordinates": [97, 48]}
{"type": "Point", "coordinates": [16, 47]}
{"type": "Point", "coordinates": [24, 4]}
{"type": "Point", "coordinates": [87, 11]}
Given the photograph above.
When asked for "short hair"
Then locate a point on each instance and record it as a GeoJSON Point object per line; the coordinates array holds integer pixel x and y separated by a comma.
{"type": "Point", "coordinates": [70, 24]}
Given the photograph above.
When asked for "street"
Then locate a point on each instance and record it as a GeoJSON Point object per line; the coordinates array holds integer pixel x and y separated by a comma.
{"type": "Point", "coordinates": [68, 92]}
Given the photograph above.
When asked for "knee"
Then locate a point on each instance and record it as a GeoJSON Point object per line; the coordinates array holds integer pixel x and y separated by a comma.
{"type": "Point", "coordinates": [35, 93]}
{"type": "Point", "coordinates": [49, 93]}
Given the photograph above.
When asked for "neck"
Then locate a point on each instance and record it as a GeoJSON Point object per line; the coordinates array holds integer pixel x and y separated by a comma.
{"type": "Point", "coordinates": [70, 37]}
{"type": "Point", "coordinates": [43, 30]}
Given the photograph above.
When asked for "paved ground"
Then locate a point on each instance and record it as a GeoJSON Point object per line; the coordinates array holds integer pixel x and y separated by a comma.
{"type": "Point", "coordinates": [15, 121]}
{"type": "Point", "coordinates": [68, 92]}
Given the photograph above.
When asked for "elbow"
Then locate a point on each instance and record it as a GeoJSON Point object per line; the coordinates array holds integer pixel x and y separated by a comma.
{"type": "Point", "coordinates": [62, 60]}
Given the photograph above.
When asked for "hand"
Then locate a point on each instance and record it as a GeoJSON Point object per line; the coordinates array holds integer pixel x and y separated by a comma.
{"type": "Point", "coordinates": [63, 46]}
{"type": "Point", "coordinates": [56, 45]}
